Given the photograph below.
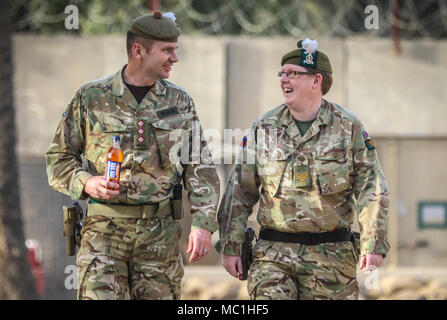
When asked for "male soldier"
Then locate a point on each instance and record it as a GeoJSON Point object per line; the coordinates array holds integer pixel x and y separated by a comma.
{"type": "Point", "coordinates": [130, 242]}
{"type": "Point", "coordinates": [316, 167]}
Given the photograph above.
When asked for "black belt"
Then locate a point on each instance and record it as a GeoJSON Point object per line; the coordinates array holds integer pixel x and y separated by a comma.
{"type": "Point", "coordinates": [95, 201]}
{"type": "Point", "coordinates": [306, 238]}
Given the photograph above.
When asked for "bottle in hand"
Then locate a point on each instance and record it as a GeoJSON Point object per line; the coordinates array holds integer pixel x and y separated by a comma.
{"type": "Point", "coordinates": [114, 159]}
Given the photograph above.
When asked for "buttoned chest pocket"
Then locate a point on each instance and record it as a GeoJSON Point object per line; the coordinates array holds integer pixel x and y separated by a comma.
{"type": "Point", "coordinates": [332, 171]}
{"type": "Point", "coordinates": [274, 171]}
{"type": "Point", "coordinates": [100, 139]}
{"type": "Point", "coordinates": [171, 135]}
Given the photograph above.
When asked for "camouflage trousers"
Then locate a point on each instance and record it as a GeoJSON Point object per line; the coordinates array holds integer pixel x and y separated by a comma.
{"type": "Point", "coordinates": [289, 271]}
{"type": "Point", "coordinates": [124, 258]}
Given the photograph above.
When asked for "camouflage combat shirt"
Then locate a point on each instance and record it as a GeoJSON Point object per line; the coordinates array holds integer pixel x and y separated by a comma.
{"type": "Point", "coordinates": [311, 183]}
{"type": "Point", "coordinates": [150, 133]}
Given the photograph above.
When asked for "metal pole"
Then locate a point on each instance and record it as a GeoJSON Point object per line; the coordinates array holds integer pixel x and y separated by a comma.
{"type": "Point", "coordinates": [393, 153]}
{"type": "Point", "coordinates": [154, 5]}
{"type": "Point", "coordinates": [395, 20]}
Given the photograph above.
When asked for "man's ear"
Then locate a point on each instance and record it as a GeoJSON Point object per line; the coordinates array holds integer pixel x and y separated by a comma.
{"type": "Point", "coordinates": [136, 51]}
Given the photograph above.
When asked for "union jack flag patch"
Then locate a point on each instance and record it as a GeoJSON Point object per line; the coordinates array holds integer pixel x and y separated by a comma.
{"type": "Point", "coordinates": [244, 142]}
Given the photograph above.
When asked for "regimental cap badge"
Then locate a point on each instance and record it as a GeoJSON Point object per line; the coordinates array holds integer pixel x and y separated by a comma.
{"type": "Point", "coordinates": [309, 59]}
{"type": "Point", "coordinates": [308, 55]}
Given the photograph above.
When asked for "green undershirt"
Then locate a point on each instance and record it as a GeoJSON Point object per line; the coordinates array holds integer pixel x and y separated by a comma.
{"type": "Point", "coordinates": [303, 126]}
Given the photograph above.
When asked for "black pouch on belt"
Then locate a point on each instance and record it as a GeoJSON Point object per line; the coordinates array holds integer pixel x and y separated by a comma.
{"type": "Point", "coordinates": [355, 239]}
{"type": "Point", "coordinates": [247, 252]}
{"type": "Point", "coordinates": [176, 202]}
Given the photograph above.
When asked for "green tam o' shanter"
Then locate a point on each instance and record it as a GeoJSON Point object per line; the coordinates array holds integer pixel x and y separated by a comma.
{"type": "Point", "coordinates": [156, 26]}
{"type": "Point", "coordinates": [308, 56]}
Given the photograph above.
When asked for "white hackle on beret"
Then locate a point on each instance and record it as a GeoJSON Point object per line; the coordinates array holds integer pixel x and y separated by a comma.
{"type": "Point", "coordinates": [310, 46]}
{"type": "Point", "coordinates": [169, 15]}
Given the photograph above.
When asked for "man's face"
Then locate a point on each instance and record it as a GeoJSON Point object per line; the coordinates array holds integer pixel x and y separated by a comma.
{"type": "Point", "coordinates": [158, 60]}
{"type": "Point", "coordinates": [299, 87]}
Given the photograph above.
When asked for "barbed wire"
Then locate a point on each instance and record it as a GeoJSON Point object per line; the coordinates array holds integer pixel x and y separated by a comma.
{"type": "Point", "coordinates": [341, 18]}
{"type": "Point", "coordinates": [427, 18]}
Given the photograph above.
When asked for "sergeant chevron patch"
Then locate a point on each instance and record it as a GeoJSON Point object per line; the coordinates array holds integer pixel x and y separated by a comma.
{"type": "Point", "coordinates": [302, 176]}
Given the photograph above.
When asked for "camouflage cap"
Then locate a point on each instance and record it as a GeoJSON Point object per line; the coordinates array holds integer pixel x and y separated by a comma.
{"type": "Point", "coordinates": [156, 26]}
{"type": "Point", "coordinates": [308, 56]}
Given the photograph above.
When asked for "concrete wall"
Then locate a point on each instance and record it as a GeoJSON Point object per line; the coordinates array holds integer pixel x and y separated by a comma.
{"type": "Point", "coordinates": [233, 80]}
{"type": "Point", "coordinates": [48, 71]}
{"type": "Point", "coordinates": [421, 171]}
{"type": "Point", "coordinates": [398, 95]}
{"type": "Point", "coordinates": [415, 172]}
{"type": "Point", "coordinates": [393, 95]}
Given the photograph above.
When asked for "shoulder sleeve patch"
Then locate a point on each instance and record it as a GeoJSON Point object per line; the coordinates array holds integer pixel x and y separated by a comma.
{"type": "Point", "coordinates": [368, 141]}
{"type": "Point", "coordinates": [244, 142]}
{"type": "Point", "coordinates": [66, 111]}
{"type": "Point", "coordinates": [370, 144]}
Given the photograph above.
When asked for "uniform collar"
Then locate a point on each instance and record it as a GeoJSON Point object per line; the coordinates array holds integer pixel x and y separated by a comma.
{"type": "Point", "coordinates": [324, 114]}
{"type": "Point", "coordinates": [285, 119]}
{"type": "Point", "coordinates": [118, 86]}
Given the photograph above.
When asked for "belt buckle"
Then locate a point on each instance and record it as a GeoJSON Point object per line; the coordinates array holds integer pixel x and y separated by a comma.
{"type": "Point", "coordinates": [146, 212]}
{"type": "Point", "coordinates": [149, 211]}
{"type": "Point", "coordinates": [143, 212]}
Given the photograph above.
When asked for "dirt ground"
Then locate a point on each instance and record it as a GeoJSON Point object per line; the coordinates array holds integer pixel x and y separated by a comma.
{"type": "Point", "coordinates": [402, 283]}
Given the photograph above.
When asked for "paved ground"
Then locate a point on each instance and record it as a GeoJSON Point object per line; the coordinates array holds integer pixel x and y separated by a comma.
{"type": "Point", "coordinates": [413, 283]}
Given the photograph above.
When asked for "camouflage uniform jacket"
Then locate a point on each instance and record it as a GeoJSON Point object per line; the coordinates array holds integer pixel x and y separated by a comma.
{"type": "Point", "coordinates": [344, 177]}
{"type": "Point", "coordinates": [151, 133]}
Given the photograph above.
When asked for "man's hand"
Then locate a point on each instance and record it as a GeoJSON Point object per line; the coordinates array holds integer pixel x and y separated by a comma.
{"type": "Point", "coordinates": [199, 244]}
{"type": "Point", "coordinates": [370, 261]}
{"type": "Point", "coordinates": [233, 265]}
{"type": "Point", "coordinates": [98, 187]}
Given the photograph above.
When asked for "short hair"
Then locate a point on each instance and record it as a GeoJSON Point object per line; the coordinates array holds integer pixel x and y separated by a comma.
{"type": "Point", "coordinates": [327, 79]}
{"type": "Point", "coordinates": [132, 38]}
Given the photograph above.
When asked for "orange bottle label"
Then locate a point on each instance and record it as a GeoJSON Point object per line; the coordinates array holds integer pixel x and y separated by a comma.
{"type": "Point", "coordinates": [113, 171]}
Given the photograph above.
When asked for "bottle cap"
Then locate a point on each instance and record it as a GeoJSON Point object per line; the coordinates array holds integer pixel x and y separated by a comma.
{"type": "Point", "coordinates": [116, 139]}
